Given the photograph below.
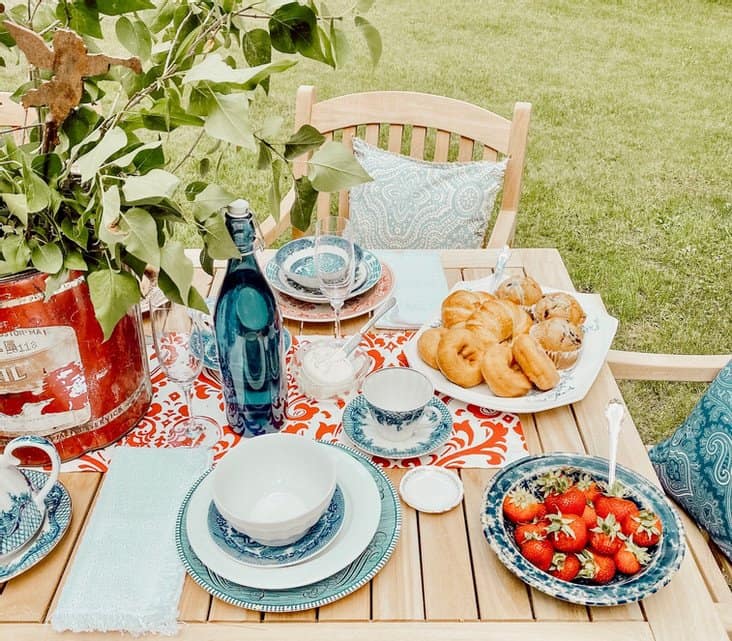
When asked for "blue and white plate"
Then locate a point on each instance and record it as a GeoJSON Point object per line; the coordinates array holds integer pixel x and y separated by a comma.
{"type": "Point", "coordinates": [365, 433]}
{"type": "Point", "coordinates": [55, 524]}
{"type": "Point", "coordinates": [368, 273]}
{"type": "Point", "coordinates": [666, 556]}
{"type": "Point", "coordinates": [297, 259]}
{"type": "Point", "coordinates": [307, 594]}
{"type": "Point", "coordinates": [244, 549]}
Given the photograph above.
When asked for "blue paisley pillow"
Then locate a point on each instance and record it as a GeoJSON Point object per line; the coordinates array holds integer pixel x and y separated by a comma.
{"type": "Point", "coordinates": [695, 463]}
{"type": "Point", "coordinates": [416, 204]}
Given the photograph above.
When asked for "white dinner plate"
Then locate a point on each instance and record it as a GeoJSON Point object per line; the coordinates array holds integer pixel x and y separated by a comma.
{"type": "Point", "coordinates": [574, 383]}
{"type": "Point", "coordinates": [362, 514]}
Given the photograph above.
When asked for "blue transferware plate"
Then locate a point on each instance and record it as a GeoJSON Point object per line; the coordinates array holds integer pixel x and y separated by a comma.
{"type": "Point", "coordinates": [332, 588]}
{"type": "Point", "coordinates": [666, 555]}
{"type": "Point", "coordinates": [244, 549]}
{"type": "Point", "coordinates": [297, 260]}
{"type": "Point", "coordinates": [27, 520]}
{"type": "Point", "coordinates": [368, 273]}
{"type": "Point", "coordinates": [364, 432]}
{"type": "Point", "coordinates": [58, 517]}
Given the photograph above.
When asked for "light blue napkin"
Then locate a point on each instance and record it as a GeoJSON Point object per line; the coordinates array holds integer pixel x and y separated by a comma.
{"type": "Point", "coordinates": [419, 290]}
{"type": "Point", "coordinates": [126, 575]}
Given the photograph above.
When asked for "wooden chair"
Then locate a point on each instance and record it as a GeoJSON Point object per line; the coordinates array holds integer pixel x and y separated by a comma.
{"type": "Point", "coordinates": [716, 568]}
{"type": "Point", "coordinates": [395, 116]}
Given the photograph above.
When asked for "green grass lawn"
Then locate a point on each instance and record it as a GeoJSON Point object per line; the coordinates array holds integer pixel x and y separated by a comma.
{"type": "Point", "coordinates": [629, 169]}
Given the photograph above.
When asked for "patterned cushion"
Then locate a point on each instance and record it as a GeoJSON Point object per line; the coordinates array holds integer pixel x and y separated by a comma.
{"type": "Point", "coordinates": [416, 204]}
{"type": "Point", "coordinates": [695, 463]}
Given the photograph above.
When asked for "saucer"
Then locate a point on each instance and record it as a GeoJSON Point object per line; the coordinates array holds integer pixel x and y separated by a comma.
{"type": "Point", "coordinates": [245, 550]}
{"type": "Point", "coordinates": [58, 517]}
{"type": "Point", "coordinates": [307, 596]}
{"type": "Point", "coordinates": [30, 519]}
{"type": "Point", "coordinates": [360, 521]}
{"type": "Point", "coordinates": [365, 432]}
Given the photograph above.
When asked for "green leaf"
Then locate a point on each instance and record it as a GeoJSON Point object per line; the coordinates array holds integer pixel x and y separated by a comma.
{"type": "Point", "coordinates": [81, 16]}
{"type": "Point", "coordinates": [177, 266]}
{"type": "Point", "coordinates": [217, 238]}
{"type": "Point", "coordinates": [264, 158]}
{"type": "Point", "coordinates": [204, 166]}
{"type": "Point", "coordinates": [112, 141]}
{"type": "Point", "coordinates": [112, 294]}
{"type": "Point", "coordinates": [118, 7]}
{"type": "Point", "coordinates": [257, 47]}
{"type": "Point", "coordinates": [196, 301]}
{"type": "Point", "coordinates": [134, 36]}
{"type": "Point", "coordinates": [292, 28]}
{"type": "Point", "coordinates": [37, 193]}
{"type": "Point", "coordinates": [214, 70]}
{"type": "Point", "coordinates": [302, 208]}
{"type": "Point", "coordinates": [141, 238]}
{"type": "Point", "coordinates": [229, 121]}
{"type": "Point", "coordinates": [17, 205]}
{"type": "Point", "coordinates": [339, 43]}
{"type": "Point", "coordinates": [303, 140]}
{"type": "Point", "coordinates": [48, 166]}
{"type": "Point", "coordinates": [47, 258]}
{"type": "Point", "coordinates": [128, 158]}
{"type": "Point", "coordinates": [16, 254]}
{"type": "Point", "coordinates": [53, 282]}
{"type": "Point", "coordinates": [109, 231]}
{"type": "Point", "coordinates": [153, 186]}
{"type": "Point", "coordinates": [372, 37]}
{"type": "Point", "coordinates": [333, 168]}
{"type": "Point", "coordinates": [275, 194]}
{"type": "Point", "coordinates": [75, 260]}
{"type": "Point", "coordinates": [210, 201]}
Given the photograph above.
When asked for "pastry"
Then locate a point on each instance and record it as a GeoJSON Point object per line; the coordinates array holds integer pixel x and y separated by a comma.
{"type": "Point", "coordinates": [522, 320]}
{"type": "Point", "coordinates": [427, 345]}
{"type": "Point", "coordinates": [522, 290]}
{"type": "Point", "coordinates": [459, 355]}
{"type": "Point", "coordinates": [458, 306]}
{"type": "Point", "coordinates": [534, 362]}
{"type": "Point", "coordinates": [492, 322]}
{"type": "Point", "coordinates": [560, 339]}
{"type": "Point", "coordinates": [559, 305]}
{"type": "Point", "coordinates": [503, 379]}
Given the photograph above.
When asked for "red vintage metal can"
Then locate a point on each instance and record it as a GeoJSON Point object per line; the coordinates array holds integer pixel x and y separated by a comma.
{"type": "Point", "coordinates": [58, 377]}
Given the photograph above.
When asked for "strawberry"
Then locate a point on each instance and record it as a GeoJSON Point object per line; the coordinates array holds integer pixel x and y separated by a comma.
{"type": "Point", "coordinates": [571, 501]}
{"type": "Point", "coordinates": [589, 488]}
{"type": "Point", "coordinates": [554, 482]}
{"type": "Point", "coordinates": [606, 537]}
{"type": "Point", "coordinates": [589, 516]}
{"type": "Point", "coordinates": [644, 528]}
{"type": "Point", "coordinates": [630, 558]}
{"type": "Point", "coordinates": [521, 506]}
{"type": "Point", "coordinates": [567, 533]}
{"type": "Point", "coordinates": [526, 531]}
{"type": "Point", "coordinates": [596, 567]}
{"type": "Point", "coordinates": [620, 507]}
{"type": "Point", "coordinates": [540, 553]}
{"type": "Point", "coordinates": [564, 566]}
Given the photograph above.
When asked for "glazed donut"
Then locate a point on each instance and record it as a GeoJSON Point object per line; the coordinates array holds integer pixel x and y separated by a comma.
{"type": "Point", "coordinates": [459, 355]}
{"type": "Point", "coordinates": [559, 305]}
{"type": "Point", "coordinates": [522, 290]}
{"type": "Point", "coordinates": [497, 372]}
{"type": "Point", "coordinates": [522, 321]}
{"type": "Point", "coordinates": [427, 345]}
{"type": "Point", "coordinates": [458, 306]}
{"type": "Point", "coordinates": [534, 362]}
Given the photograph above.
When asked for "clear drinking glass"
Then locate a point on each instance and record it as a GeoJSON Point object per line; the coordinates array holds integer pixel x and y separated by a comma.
{"type": "Point", "coordinates": [335, 262]}
{"type": "Point", "coordinates": [177, 334]}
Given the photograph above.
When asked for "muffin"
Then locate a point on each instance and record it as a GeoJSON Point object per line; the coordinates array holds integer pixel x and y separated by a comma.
{"type": "Point", "coordinates": [559, 305]}
{"type": "Point", "coordinates": [561, 340]}
{"type": "Point", "coordinates": [522, 290]}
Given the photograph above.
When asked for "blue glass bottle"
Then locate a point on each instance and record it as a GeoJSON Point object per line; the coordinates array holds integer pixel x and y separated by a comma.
{"type": "Point", "coordinates": [248, 328]}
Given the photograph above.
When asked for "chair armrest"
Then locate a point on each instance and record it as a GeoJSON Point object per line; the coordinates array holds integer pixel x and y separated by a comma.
{"type": "Point", "coordinates": [503, 229]}
{"type": "Point", "coordinates": [665, 367]}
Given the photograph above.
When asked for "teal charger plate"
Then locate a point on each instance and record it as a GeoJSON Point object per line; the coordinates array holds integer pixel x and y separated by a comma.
{"type": "Point", "coordinates": [332, 588]}
{"type": "Point", "coordinates": [667, 555]}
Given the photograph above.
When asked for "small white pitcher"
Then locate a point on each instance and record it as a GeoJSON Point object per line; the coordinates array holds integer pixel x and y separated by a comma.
{"type": "Point", "coordinates": [22, 507]}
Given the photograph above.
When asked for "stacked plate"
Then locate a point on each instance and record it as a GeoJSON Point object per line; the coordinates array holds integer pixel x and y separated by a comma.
{"type": "Point", "coordinates": [349, 544]}
{"type": "Point", "coordinates": [292, 272]}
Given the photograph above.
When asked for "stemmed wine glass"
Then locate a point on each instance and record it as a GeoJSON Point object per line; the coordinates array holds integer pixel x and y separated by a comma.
{"type": "Point", "coordinates": [178, 336]}
{"type": "Point", "coordinates": [335, 262]}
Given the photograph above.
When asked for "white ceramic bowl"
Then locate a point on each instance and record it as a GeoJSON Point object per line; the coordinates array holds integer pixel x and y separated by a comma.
{"type": "Point", "coordinates": [275, 487]}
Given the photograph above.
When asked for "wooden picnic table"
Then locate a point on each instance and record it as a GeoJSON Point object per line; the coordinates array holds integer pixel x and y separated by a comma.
{"type": "Point", "coordinates": [443, 581]}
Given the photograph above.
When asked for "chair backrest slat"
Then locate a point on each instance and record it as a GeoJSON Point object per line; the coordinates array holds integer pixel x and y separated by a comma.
{"type": "Point", "coordinates": [442, 146]}
{"type": "Point", "coordinates": [395, 138]}
{"type": "Point", "coordinates": [419, 135]}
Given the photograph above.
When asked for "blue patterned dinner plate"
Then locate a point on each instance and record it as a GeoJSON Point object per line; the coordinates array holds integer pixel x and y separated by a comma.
{"type": "Point", "coordinates": [368, 273]}
{"type": "Point", "coordinates": [342, 583]}
{"type": "Point", "coordinates": [666, 555]}
{"type": "Point", "coordinates": [55, 524]}
{"type": "Point", "coordinates": [246, 550]}
{"type": "Point", "coordinates": [364, 432]}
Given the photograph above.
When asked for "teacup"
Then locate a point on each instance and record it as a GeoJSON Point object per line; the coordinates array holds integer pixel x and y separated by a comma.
{"type": "Point", "coordinates": [22, 508]}
{"type": "Point", "coordinates": [398, 399]}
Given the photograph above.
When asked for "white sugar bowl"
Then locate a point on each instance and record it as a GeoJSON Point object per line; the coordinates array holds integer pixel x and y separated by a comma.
{"type": "Point", "coordinates": [274, 487]}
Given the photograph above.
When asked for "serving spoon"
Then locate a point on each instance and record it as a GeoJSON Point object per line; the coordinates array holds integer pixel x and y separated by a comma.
{"type": "Point", "coordinates": [614, 414]}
